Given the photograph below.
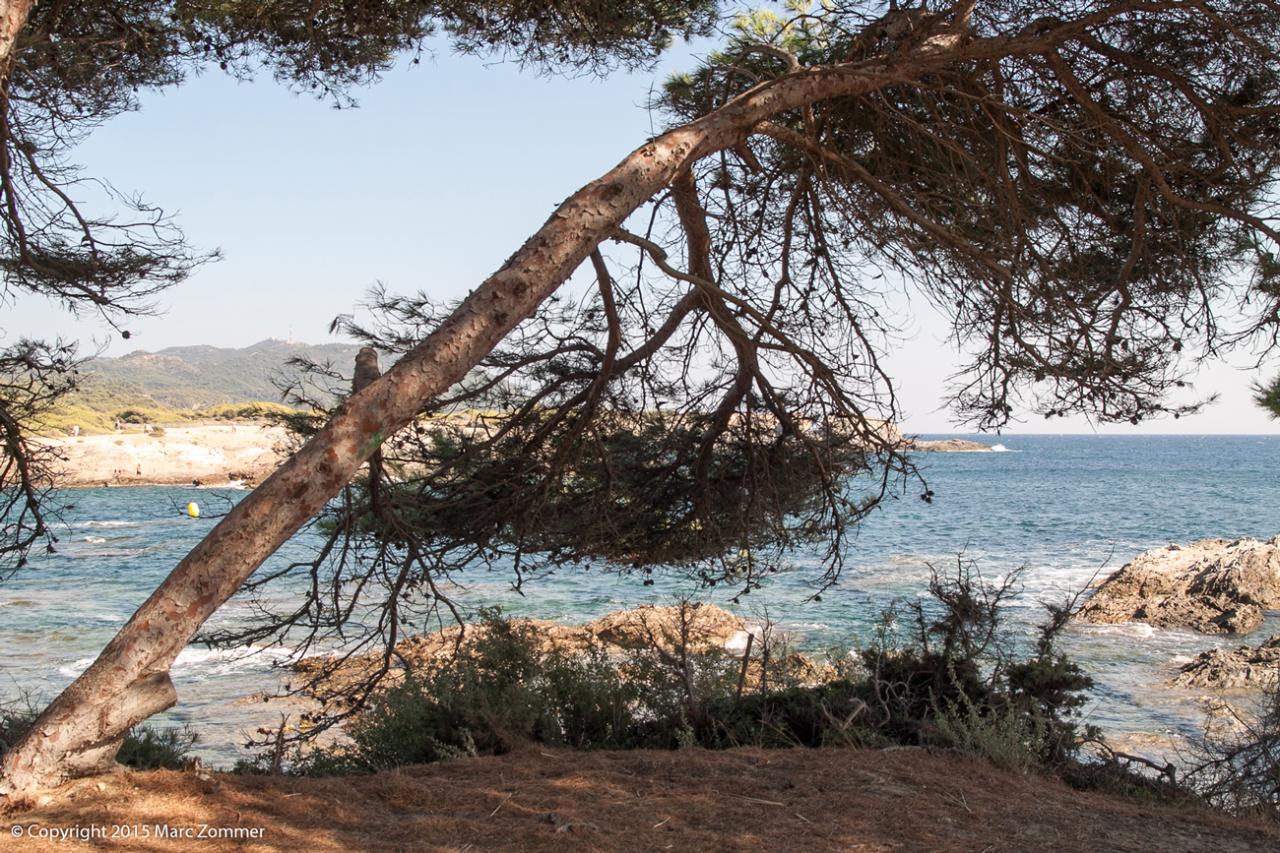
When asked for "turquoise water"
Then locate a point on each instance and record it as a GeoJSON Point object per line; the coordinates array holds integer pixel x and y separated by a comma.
{"type": "Point", "coordinates": [1063, 506]}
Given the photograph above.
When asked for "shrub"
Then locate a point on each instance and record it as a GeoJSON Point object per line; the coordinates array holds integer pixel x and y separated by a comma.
{"type": "Point", "coordinates": [1004, 735]}
{"type": "Point", "coordinates": [1117, 776]}
{"type": "Point", "coordinates": [948, 683]}
{"type": "Point", "coordinates": [246, 411]}
{"type": "Point", "coordinates": [1239, 758]}
{"type": "Point", "coordinates": [148, 748]}
{"type": "Point", "coordinates": [498, 692]}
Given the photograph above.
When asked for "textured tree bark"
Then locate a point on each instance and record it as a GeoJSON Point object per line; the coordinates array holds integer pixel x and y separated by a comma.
{"type": "Point", "coordinates": [80, 731]}
{"type": "Point", "coordinates": [13, 17]}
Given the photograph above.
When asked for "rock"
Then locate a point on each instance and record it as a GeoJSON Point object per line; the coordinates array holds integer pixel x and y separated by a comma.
{"type": "Point", "coordinates": [1243, 666]}
{"type": "Point", "coordinates": [1215, 586]}
{"type": "Point", "coordinates": [215, 454]}
{"type": "Point", "coordinates": [708, 627]}
{"type": "Point", "coordinates": [947, 445]}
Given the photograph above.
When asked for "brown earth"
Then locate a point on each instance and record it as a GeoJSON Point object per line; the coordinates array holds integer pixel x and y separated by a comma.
{"type": "Point", "coordinates": [692, 800]}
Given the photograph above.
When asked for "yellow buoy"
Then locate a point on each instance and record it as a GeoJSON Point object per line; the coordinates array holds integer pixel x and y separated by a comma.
{"type": "Point", "coordinates": [193, 509]}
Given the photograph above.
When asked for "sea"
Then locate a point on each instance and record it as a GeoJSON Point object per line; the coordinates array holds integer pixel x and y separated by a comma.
{"type": "Point", "coordinates": [1066, 509]}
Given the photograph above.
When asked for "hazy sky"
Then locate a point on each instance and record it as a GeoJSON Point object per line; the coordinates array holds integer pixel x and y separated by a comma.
{"type": "Point", "coordinates": [442, 172]}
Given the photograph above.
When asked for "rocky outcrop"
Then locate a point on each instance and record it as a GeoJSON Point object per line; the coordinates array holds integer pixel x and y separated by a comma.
{"type": "Point", "coordinates": [947, 445]}
{"type": "Point", "coordinates": [1244, 666]}
{"type": "Point", "coordinates": [706, 628]}
{"type": "Point", "coordinates": [1215, 586]}
{"type": "Point", "coordinates": [212, 455]}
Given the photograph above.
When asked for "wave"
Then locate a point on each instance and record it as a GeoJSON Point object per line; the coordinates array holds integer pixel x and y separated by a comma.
{"type": "Point", "coordinates": [1124, 629]}
{"type": "Point", "coordinates": [95, 540]}
{"type": "Point", "coordinates": [73, 669]}
{"type": "Point", "coordinates": [226, 661]}
{"type": "Point", "coordinates": [98, 553]}
{"type": "Point", "coordinates": [999, 448]}
{"type": "Point", "coordinates": [196, 661]}
{"type": "Point", "coordinates": [109, 523]}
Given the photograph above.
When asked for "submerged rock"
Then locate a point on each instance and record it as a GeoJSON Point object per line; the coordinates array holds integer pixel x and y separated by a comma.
{"type": "Point", "coordinates": [1243, 666]}
{"type": "Point", "coordinates": [1215, 586]}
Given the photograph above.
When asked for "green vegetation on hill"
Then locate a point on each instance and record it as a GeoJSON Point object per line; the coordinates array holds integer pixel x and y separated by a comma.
{"type": "Point", "coordinates": [184, 384]}
{"type": "Point", "coordinates": [197, 377]}
{"type": "Point", "coordinates": [92, 419]}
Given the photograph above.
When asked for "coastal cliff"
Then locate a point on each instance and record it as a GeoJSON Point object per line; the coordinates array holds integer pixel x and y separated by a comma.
{"type": "Point", "coordinates": [214, 455]}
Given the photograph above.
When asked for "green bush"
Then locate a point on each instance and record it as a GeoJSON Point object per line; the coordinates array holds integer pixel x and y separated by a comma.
{"type": "Point", "coordinates": [498, 693]}
{"type": "Point", "coordinates": [831, 714]}
{"type": "Point", "coordinates": [1006, 736]}
{"type": "Point", "coordinates": [246, 411]}
{"type": "Point", "coordinates": [148, 748]}
{"type": "Point", "coordinates": [1115, 776]}
{"type": "Point", "coordinates": [945, 684]}
{"type": "Point", "coordinates": [942, 677]}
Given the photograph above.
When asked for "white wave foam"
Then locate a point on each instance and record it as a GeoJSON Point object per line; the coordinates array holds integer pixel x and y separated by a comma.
{"type": "Point", "coordinates": [226, 661]}
{"type": "Point", "coordinates": [1124, 629]}
{"type": "Point", "coordinates": [999, 448]}
{"type": "Point", "coordinates": [115, 618]}
{"type": "Point", "coordinates": [737, 644]}
{"type": "Point", "coordinates": [108, 523]}
{"type": "Point", "coordinates": [95, 540]}
{"type": "Point", "coordinates": [73, 670]}
{"type": "Point", "coordinates": [194, 660]}
{"type": "Point", "coordinates": [96, 553]}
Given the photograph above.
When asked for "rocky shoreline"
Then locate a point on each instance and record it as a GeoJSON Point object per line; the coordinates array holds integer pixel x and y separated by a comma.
{"type": "Point", "coordinates": [240, 453]}
{"type": "Point", "coordinates": [1214, 586]}
{"type": "Point", "coordinates": [699, 628]}
{"type": "Point", "coordinates": [1229, 669]}
{"type": "Point", "coordinates": [222, 454]}
{"type": "Point", "coordinates": [949, 445]}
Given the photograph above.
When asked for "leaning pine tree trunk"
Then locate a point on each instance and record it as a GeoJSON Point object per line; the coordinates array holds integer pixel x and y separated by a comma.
{"type": "Point", "coordinates": [80, 732]}
{"type": "Point", "coordinates": [13, 17]}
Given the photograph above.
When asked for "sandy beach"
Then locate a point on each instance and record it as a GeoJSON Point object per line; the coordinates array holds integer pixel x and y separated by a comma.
{"type": "Point", "coordinates": [213, 454]}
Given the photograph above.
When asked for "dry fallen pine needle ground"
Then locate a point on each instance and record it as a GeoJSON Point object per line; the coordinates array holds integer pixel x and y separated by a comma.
{"type": "Point", "coordinates": [539, 799]}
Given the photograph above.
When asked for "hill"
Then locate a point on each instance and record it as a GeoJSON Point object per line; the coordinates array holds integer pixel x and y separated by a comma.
{"type": "Point", "coordinates": [197, 377]}
{"type": "Point", "coordinates": [180, 384]}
